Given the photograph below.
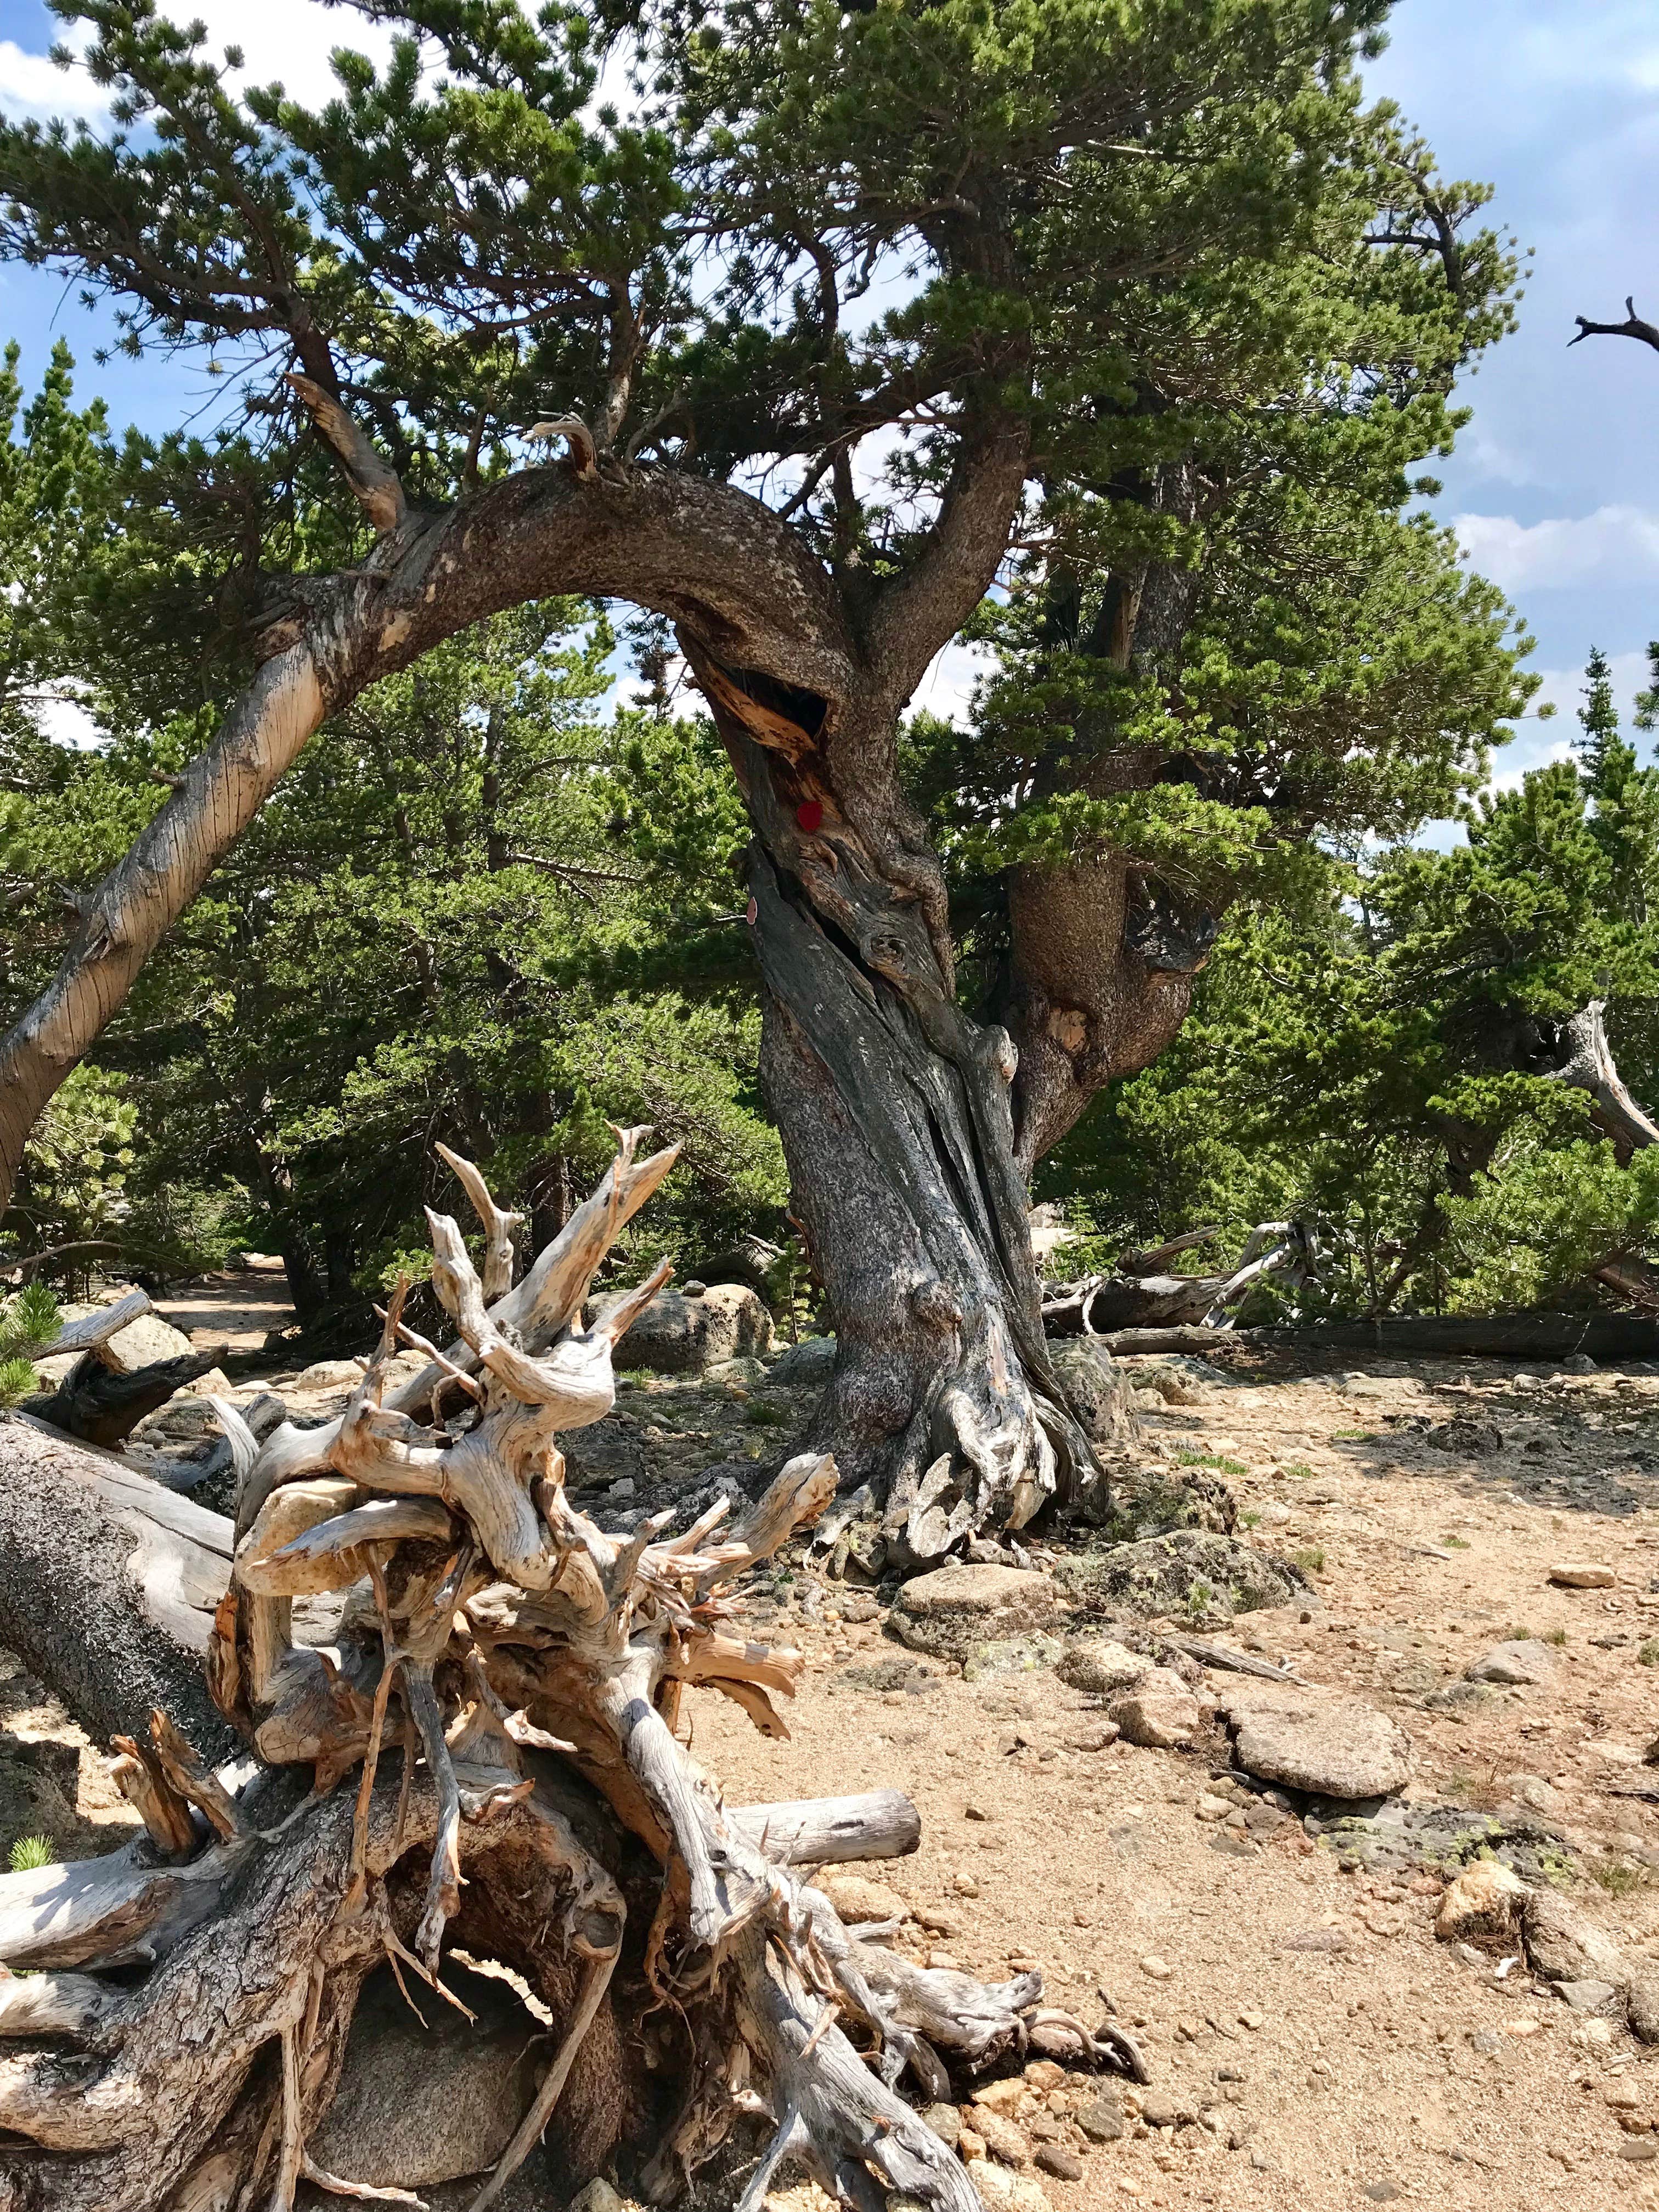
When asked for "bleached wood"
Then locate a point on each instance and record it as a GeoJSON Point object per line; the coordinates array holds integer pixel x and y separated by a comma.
{"type": "Point", "coordinates": [492, 1639]}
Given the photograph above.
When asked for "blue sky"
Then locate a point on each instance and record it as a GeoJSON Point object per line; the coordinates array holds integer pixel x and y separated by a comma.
{"type": "Point", "coordinates": [1555, 486]}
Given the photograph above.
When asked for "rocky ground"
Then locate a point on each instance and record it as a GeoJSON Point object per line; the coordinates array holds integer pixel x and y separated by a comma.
{"type": "Point", "coordinates": [1284, 1889]}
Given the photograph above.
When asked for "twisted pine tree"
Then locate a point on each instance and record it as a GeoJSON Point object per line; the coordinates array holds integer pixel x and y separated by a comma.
{"type": "Point", "coordinates": [832, 319]}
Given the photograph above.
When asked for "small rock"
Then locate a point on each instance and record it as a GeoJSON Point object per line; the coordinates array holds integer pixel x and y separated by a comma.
{"type": "Point", "coordinates": [953, 1609]}
{"type": "Point", "coordinates": [1001, 2190]}
{"type": "Point", "coordinates": [805, 1366]}
{"type": "Point", "coordinates": [1536, 1795]}
{"type": "Point", "coordinates": [1565, 1945]}
{"type": "Point", "coordinates": [1099, 1667]}
{"type": "Point", "coordinates": [1578, 1362]}
{"type": "Point", "coordinates": [1101, 1737]}
{"type": "Point", "coordinates": [1589, 1997]}
{"type": "Point", "coordinates": [1621, 2096]}
{"type": "Point", "coordinates": [964, 1885]}
{"type": "Point", "coordinates": [1103, 2120]}
{"type": "Point", "coordinates": [1065, 2165]}
{"type": "Point", "coordinates": [1211, 1808]}
{"type": "Point", "coordinates": [1253, 2020]}
{"type": "Point", "coordinates": [944, 1962]}
{"type": "Point", "coordinates": [1002, 2138]}
{"type": "Point", "coordinates": [935, 1921]}
{"type": "Point", "coordinates": [945, 2121]}
{"type": "Point", "coordinates": [598, 2196]}
{"type": "Point", "coordinates": [1160, 1969]}
{"type": "Point", "coordinates": [1003, 2096]}
{"type": "Point", "coordinates": [1486, 1901]}
{"type": "Point", "coordinates": [1520, 1662]}
{"type": "Point", "coordinates": [1158, 2109]}
{"type": "Point", "coordinates": [1639, 2147]}
{"type": "Point", "coordinates": [1332, 1940]}
{"type": "Point", "coordinates": [1582, 1574]}
{"type": "Point", "coordinates": [857, 1897]}
{"type": "Point", "coordinates": [1381, 2191]}
{"type": "Point", "coordinates": [1160, 1714]}
{"type": "Point", "coordinates": [1642, 1997]}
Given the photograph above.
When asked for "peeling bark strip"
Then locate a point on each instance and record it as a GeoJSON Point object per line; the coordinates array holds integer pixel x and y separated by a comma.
{"type": "Point", "coordinates": [504, 1684]}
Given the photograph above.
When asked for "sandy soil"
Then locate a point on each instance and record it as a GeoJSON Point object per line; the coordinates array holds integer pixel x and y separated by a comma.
{"type": "Point", "coordinates": [238, 1310]}
{"type": "Point", "coordinates": [1389, 2066]}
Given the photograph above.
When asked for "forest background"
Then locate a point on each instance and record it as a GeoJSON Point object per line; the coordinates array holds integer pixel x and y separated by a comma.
{"type": "Point", "coordinates": [498, 899]}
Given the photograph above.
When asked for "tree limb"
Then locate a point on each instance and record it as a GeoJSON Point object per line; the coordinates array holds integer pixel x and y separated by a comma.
{"type": "Point", "coordinates": [375, 484]}
{"type": "Point", "coordinates": [1632, 327]}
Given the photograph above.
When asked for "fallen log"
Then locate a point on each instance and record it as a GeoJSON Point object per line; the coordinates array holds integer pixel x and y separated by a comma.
{"type": "Point", "coordinates": [108, 1585]}
{"type": "Point", "coordinates": [483, 1758]}
{"type": "Point", "coordinates": [1135, 1296]}
{"type": "Point", "coordinates": [100, 1406]}
{"type": "Point", "coordinates": [95, 1328]}
{"type": "Point", "coordinates": [1521, 1336]}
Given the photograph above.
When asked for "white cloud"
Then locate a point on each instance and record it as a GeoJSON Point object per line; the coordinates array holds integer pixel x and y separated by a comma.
{"type": "Point", "coordinates": [948, 686]}
{"type": "Point", "coordinates": [66, 722]}
{"type": "Point", "coordinates": [286, 42]}
{"type": "Point", "coordinates": [1616, 544]}
{"type": "Point", "coordinates": [33, 86]}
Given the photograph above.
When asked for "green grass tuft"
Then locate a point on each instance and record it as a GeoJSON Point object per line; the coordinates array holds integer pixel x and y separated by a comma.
{"type": "Point", "coordinates": [28, 1852]}
{"type": "Point", "coordinates": [1311, 1561]}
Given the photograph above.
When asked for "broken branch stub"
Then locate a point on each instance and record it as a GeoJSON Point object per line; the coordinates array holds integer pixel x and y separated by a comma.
{"type": "Point", "coordinates": [504, 1681]}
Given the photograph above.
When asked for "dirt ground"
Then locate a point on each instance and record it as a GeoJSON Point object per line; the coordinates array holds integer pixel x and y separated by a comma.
{"type": "Point", "coordinates": [1303, 2013]}
{"type": "Point", "coordinates": [1384, 2065]}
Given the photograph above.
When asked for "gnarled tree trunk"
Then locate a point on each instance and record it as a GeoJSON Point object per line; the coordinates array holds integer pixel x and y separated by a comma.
{"type": "Point", "coordinates": [484, 1760]}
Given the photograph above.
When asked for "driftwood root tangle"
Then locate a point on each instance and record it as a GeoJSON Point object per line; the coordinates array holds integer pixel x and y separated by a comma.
{"type": "Point", "coordinates": [484, 1759]}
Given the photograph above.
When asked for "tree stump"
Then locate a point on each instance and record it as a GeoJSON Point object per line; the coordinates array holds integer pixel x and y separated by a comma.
{"type": "Point", "coordinates": [482, 1761]}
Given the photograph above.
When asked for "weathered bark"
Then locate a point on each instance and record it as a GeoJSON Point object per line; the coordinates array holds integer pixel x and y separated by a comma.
{"type": "Point", "coordinates": [108, 1585]}
{"type": "Point", "coordinates": [706, 555]}
{"type": "Point", "coordinates": [894, 1113]}
{"type": "Point", "coordinates": [505, 1685]}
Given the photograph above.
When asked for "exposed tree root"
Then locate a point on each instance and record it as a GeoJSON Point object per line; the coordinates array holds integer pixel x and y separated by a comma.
{"type": "Point", "coordinates": [503, 1685]}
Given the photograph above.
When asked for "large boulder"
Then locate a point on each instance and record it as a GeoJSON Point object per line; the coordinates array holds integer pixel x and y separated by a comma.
{"type": "Point", "coordinates": [418, 2105]}
{"type": "Point", "coordinates": [143, 1343]}
{"type": "Point", "coordinates": [954, 1610]}
{"type": "Point", "coordinates": [1096, 1390]}
{"type": "Point", "coordinates": [1188, 1568]}
{"type": "Point", "coordinates": [682, 1334]}
{"type": "Point", "coordinates": [807, 1365]}
{"type": "Point", "coordinates": [1309, 1740]}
